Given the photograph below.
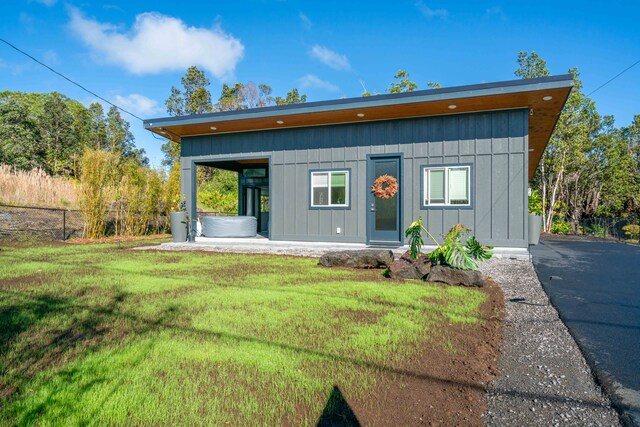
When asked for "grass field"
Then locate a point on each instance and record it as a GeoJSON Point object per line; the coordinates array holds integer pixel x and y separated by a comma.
{"type": "Point", "coordinates": [101, 334]}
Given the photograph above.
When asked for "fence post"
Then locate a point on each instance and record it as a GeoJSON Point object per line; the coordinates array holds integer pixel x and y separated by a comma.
{"type": "Point", "coordinates": [64, 225]}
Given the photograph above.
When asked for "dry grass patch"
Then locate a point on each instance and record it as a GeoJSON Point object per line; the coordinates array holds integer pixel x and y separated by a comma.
{"type": "Point", "coordinates": [36, 188]}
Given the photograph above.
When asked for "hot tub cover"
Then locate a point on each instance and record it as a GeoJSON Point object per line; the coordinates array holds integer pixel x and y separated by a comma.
{"type": "Point", "coordinates": [229, 226]}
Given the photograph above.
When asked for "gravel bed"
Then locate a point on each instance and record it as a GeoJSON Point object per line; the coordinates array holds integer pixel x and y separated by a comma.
{"type": "Point", "coordinates": [544, 380]}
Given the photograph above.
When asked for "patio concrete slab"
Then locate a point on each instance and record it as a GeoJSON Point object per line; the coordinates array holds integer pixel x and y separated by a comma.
{"type": "Point", "coordinates": [262, 245]}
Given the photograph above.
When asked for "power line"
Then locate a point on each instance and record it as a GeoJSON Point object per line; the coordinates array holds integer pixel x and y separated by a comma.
{"type": "Point", "coordinates": [614, 77]}
{"type": "Point", "coordinates": [69, 80]}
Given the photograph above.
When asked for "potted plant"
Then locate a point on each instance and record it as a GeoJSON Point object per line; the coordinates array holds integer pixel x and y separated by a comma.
{"type": "Point", "coordinates": [178, 221]}
{"type": "Point", "coordinates": [535, 217]}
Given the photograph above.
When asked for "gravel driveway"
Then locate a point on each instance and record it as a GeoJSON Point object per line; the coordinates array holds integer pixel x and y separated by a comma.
{"type": "Point", "coordinates": [544, 379]}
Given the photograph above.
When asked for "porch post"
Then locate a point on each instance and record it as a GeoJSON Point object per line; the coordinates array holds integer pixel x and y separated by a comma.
{"type": "Point", "coordinates": [188, 189]}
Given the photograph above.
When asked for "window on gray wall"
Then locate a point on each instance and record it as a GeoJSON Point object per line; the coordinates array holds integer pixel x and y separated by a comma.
{"type": "Point", "coordinates": [330, 188]}
{"type": "Point", "coordinates": [446, 186]}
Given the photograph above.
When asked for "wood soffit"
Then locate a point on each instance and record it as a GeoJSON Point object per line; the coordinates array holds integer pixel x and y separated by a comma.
{"type": "Point", "coordinates": [543, 116]}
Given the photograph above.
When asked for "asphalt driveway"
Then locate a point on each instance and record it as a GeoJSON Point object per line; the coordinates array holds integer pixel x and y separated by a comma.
{"type": "Point", "coordinates": [595, 286]}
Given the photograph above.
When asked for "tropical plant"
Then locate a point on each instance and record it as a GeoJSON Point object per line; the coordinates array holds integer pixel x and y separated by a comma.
{"type": "Point", "coordinates": [451, 252]}
{"type": "Point", "coordinates": [535, 203]}
{"type": "Point", "coordinates": [478, 251]}
{"type": "Point", "coordinates": [414, 234]}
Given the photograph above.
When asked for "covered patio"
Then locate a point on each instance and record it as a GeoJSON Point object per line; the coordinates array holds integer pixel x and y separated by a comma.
{"type": "Point", "coordinates": [253, 190]}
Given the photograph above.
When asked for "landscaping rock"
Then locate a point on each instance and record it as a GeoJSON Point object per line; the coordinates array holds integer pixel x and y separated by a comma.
{"type": "Point", "coordinates": [453, 276]}
{"type": "Point", "coordinates": [367, 258]}
{"type": "Point", "coordinates": [409, 268]}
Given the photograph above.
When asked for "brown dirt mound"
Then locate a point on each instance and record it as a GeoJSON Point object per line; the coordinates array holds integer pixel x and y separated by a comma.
{"type": "Point", "coordinates": [439, 387]}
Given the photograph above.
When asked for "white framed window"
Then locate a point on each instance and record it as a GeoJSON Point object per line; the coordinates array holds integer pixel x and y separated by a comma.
{"type": "Point", "coordinates": [446, 186]}
{"type": "Point", "coordinates": [330, 189]}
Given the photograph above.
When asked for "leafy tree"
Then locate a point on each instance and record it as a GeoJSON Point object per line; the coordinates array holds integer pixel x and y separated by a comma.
{"type": "Point", "coordinates": [620, 175]}
{"type": "Point", "coordinates": [231, 97]}
{"type": "Point", "coordinates": [193, 98]}
{"type": "Point", "coordinates": [242, 97]}
{"type": "Point", "coordinates": [293, 97]}
{"type": "Point", "coordinates": [258, 96]}
{"type": "Point", "coordinates": [55, 122]}
{"type": "Point", "coordinates": [531, 65]}
{"type": "Point", "coordinates": [434, 85]}
{"type": "Point", "coordinates": [402, 84]}
{"type": "Point", "coordinates": [97, 126]}
{"type": "Point", "coordinates": [19, 137]}
{"type": "Point", "coordinates": [119, 138]}
{"type": "Point", "coordinates": [562, 177]}
{"type": "Point", "coordinates": [51, 131]}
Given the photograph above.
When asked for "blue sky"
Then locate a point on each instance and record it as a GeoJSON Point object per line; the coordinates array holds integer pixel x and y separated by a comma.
{"type": "Point", "coordinates": [132, 52]}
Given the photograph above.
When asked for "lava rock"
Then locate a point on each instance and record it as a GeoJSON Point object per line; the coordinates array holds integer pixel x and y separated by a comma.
{"type": "Point", "coordinates": [366, 258]}
{"type": "Point", "coordinates": [408, 268]}
{"type": "Point", "coordinates": [453, 276]}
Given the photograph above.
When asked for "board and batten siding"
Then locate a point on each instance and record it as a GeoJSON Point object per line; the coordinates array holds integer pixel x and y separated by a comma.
{"type": "Point", "coordinates": [494, 143]}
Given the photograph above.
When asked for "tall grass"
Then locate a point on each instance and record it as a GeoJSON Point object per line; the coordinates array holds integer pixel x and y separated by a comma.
{"type": "Point", "coordinates": [36, 188]}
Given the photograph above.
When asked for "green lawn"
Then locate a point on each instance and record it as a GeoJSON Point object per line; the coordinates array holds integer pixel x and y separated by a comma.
{"type": "Point", "coordinates": [101, 334]}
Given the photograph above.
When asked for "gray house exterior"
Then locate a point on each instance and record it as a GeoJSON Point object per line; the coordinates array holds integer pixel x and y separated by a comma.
{"type": "Point", "coordinates": [459, 155]}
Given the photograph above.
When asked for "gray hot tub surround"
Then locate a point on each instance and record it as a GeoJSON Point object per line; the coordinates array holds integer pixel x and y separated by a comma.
{"type": "Point", "coordinates": [229, 226]}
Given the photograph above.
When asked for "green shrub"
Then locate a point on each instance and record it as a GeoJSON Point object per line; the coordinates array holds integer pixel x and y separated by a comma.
{"type": "Point", "coordinates": [218, 202]}
{"type": "Point", "coordinates": [596, 230]}
{"type": "Point", "coordinates": [632, 231]}
{"type": "Point", "coordinates": [535, 203]}
{"type": "Point", "coordinates": [219, 191]}
{"type": "Point", "coordinates": [560, 226]}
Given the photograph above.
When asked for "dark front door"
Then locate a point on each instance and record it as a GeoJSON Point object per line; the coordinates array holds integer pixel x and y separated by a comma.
{"type": "Point", "coordinates": [383, 213]}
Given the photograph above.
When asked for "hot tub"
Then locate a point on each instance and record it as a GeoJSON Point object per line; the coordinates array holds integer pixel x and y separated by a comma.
{"type": "Point", "coordinates": [229, 226]}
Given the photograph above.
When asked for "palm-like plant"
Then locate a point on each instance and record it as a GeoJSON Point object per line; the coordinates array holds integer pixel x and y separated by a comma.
{"type": "Point", "coordinates": [451, 252]}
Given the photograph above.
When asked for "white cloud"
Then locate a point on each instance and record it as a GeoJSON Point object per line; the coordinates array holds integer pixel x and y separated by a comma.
{"type": "Point", "coordinates": [313, 81]}
{"type": "Point", "coordinates": [159, 43]}
{"type": "Point", "coordinates": [431, 13]}
{"type": "Point", "coordinates": [137, 104]}
{"type": "Point", "coordinates": [305, 21]}
{"type": "Point", "coordinates": [330, 58]}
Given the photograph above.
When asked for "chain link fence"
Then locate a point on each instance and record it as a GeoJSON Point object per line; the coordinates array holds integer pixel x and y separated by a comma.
{"type": "Point", "coordinates": [29, 223]}
{"type": "Point", "coordinates": [621, 229]}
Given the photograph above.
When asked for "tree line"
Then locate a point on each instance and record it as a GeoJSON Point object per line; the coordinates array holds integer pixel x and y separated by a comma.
{"type": "Point", "coordinates": [591, 167]}
{"type": "Point", "coordinates": [50, 131]}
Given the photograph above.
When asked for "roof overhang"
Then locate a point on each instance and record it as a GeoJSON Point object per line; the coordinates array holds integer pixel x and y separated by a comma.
{"type": "Point", "coordinates": [544, 97]}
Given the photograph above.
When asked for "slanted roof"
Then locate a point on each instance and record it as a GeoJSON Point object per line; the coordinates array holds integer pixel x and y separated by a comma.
{"type": "Point", "coordinates": [544, 97]}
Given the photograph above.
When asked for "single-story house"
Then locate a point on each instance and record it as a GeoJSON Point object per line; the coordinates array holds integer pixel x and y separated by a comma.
{"type": "Point", "coordinates": [453, 155]}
